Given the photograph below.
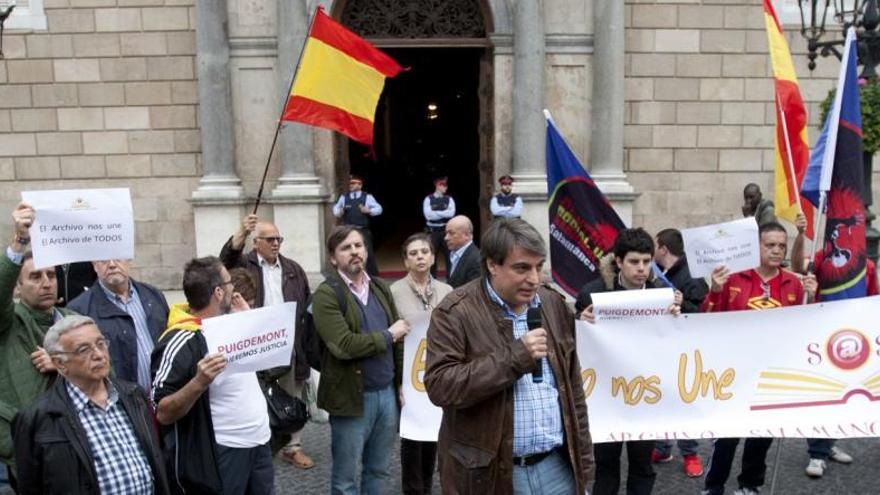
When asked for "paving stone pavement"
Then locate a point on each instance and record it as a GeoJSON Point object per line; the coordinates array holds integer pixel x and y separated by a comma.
{"type": "Point", "coordinates": [860, 478]}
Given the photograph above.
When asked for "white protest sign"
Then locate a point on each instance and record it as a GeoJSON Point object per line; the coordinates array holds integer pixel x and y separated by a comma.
{"type": "Point", "coordinates": [80, 225]}
{"type": "Point", "coordinates": [735, 245]}
{"type": "Point", "coordinates": [419, 418]}
{"type": "Point", "coordinates": [253, 340]}
{"type": "Point", "coordinates": [623, 304]}
{"type": "Point", "coordinates": [802, 371]}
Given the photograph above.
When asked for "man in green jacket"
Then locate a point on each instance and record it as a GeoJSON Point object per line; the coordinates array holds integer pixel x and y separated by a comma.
{"type": "Point", "coordinates": [361, 366]}
{"type": "Point", "coordinates": [25, 367]}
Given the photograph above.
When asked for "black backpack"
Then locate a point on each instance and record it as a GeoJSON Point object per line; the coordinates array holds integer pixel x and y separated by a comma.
{"type": "Point", "coordinates": [312, 344]}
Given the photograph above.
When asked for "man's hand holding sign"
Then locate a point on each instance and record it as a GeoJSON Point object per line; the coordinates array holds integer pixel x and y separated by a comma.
{"type": "Point", "coordinates": [66, 226]}
{"type": "Point", "coordinates": [252, 340]}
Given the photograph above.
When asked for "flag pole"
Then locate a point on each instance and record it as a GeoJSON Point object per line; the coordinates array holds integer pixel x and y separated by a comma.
{"type": "Point", "coordinates": [797, 193]}
{"type": "Point", "coordinates": [283, 107]}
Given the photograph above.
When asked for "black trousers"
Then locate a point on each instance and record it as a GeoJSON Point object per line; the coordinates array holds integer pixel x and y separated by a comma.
{"type": "Point", "coordinates": [438, 241]}
{"type": "Point", "coordinates": [639, 479]}
{"type": "Point", "coordinates": [417, 461]}
{"type": "Point", "coordinates": [246, 471]}
{"type": "Point", "coordinates": [753, 463]}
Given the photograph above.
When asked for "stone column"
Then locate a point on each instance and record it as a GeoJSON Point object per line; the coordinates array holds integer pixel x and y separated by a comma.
{"type": "Point", "coordinates": [299, 198]}
{"type": "Point", "coordinates": [529, 132]}
{"type": "Point", "coordinates": [606, 121]}
{"type": "Point", "coordinates": [217, 203]}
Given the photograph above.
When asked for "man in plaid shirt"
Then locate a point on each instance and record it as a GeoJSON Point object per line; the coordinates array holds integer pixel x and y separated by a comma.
{"type": "Point", "coordinates": [88, 433]}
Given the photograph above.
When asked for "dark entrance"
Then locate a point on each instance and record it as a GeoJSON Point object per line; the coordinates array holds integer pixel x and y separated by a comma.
{"type": "Point", "coordinates": [427, 124]}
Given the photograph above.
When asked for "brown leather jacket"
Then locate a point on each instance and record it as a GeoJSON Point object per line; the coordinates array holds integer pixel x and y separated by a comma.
{"type": "Point", "coordinates": [472, 364]}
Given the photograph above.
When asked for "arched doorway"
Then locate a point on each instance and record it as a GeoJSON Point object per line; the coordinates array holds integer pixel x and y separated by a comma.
{"type": "Point", "coordinates": [434, 119]}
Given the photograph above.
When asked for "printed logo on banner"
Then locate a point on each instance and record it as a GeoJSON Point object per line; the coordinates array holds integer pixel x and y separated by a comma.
{"type": "Point", "coordinates": [845, 350]}
{"type": "Point", "coordinates": [721, 234]}
{"type": "Point", "coordinates": [80, 203]}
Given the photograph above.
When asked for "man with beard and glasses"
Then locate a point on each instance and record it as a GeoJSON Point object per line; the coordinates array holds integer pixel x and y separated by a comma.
{"type": "Point", "coordinates": [215, 426]}
{"type": "Point", "coordinates": [361, 366]}
{"type": "Point", "coordinates": [766, 287]}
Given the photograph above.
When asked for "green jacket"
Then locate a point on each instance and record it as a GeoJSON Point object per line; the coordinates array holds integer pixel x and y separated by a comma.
{"type": "Point", "coordinates": [341, 390]}
{"type": "Point", "coordinates": [21, 331]}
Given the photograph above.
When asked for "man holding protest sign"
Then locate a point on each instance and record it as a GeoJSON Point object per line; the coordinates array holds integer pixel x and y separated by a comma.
{"type": "Point", "coordinates": [278, 280]}
{"type": "Point", "coordinates": [417, 295]}
{"type": "Point", "coordinates": [25, 367]}
{"type": "Point", "coordinates": [627, 268]}
{"type": "Point", "coordinates": [361, 365]}
{"type": "Point", "coordinates": [215, 427]}
{"type": "Point", "coordinates": [502, 364]}
{"type": "Point", "coordinates": [766, 287]}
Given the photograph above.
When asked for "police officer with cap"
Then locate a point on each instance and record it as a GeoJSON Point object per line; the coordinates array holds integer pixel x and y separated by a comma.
{"type": "Point", "coordinates": [505, 204]}
{"type": "Point", "coordinates": [356, 208]}
{"type": "Point", "coordinates": [438, 208]}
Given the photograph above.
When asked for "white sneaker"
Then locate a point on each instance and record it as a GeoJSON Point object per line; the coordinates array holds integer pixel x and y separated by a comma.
{"type": "Point", "coordinates": [840, 456]}
{"type": "Point", "coordinates": [746, 491]}
{"type": "Point", "coordinates": [816, 468]}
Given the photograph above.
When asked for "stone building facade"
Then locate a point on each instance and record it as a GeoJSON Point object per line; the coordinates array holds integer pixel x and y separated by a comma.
{"type": "Point", "coordinates": [669, 103]}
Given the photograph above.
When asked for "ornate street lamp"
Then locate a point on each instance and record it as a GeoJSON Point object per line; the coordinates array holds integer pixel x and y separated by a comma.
{"type": "Point", "coordinates": [865, 17]}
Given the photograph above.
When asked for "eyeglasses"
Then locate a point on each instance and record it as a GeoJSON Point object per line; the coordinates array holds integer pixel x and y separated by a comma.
{"type": "Point", "coordinates": [272, 240]}
{"type": "Point", "coordinates": [88, 350]}
{"type": "Point", "coordinates": [228, 282]}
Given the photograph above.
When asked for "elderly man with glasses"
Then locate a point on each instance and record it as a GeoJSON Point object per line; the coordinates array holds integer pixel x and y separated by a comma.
{"type": "Point", "coordinates": [130, 314]}
{"type": "Point", "coordinates": [89, 433]}
{"type": "Point", "coordinates": [279, 280]}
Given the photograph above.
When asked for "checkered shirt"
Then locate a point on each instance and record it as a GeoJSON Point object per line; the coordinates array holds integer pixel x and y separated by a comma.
{"type": "Point", "coordinates": [537, 417]}
{"type": "Point", "coordinates": [120, 462]}
{"type": "Point", "coordinates": [134, 308]}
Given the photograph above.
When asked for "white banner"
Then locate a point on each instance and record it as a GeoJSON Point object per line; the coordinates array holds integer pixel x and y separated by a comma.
{"type": "Point", "coordinates": [253, 340]}
{"type": "Point", "coordinates": [733, 244]}
{"type": "Point", "coordinates": [80, 225]}
{"type": "Point", "coordinates": [804, 371]}
{"type": "Point", "coordinates": [623, 304]}
{"type": "Point", "coordinates": [419, 418]}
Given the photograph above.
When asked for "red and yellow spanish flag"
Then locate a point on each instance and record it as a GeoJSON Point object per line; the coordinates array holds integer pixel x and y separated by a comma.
{"type": "Point", "coordinates": [792, 146]}
{"type": "Point", "coordinates": [339, 81]}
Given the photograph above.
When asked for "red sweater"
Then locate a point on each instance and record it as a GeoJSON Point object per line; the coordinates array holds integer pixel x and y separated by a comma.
{"type": "Point", "coordinates": [744, 290]}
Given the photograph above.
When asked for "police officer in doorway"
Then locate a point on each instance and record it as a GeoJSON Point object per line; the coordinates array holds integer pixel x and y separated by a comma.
{"type": "Point", "coordinates": [506, 204]}
{"type": "Point", "coordinates": [438, 208]}
{"type": "Point", "coordinates": [356, 208]}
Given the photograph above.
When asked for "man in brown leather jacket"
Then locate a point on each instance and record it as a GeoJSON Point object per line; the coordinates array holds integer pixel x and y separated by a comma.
{"type": "Point", "coordinates": [502, 429]}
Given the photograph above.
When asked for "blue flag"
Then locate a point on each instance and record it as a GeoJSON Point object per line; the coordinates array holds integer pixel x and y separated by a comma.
{"type": "Point", "coordinates": [583, 225]}
{"type": "Point", "coordinates": [836, 170]}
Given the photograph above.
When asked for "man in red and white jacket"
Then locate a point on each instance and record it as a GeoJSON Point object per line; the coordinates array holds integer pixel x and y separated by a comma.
{"type": "Point", "coordinates": [766, 287]}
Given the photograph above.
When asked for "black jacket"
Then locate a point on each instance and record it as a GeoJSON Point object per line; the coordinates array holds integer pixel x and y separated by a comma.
{"type": "Point", "coordinates": [693, 290]}
{"type": "Point", "coordinates": [52, 449]}
{"type": "Point", "coordinates": [118, 326]}
{"type": "Point", "coordinates": [468, 267]}
{"type": "Point", "coordinates": [294, 287]}
{"type": "Point", "coordinates": [607, 282]}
